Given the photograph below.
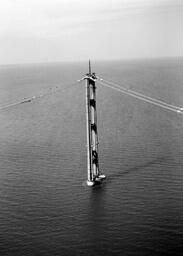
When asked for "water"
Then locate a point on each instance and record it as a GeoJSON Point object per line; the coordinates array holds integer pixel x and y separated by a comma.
{"type": "Point", "coordinates": [46, 208]}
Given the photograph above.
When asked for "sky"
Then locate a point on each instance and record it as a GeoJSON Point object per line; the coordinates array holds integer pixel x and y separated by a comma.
{"type": "Point", "coordinates": [76, 30]}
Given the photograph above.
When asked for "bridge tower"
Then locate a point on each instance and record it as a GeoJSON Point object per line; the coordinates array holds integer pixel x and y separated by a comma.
{"type": "Point", "coordinates": [93, 174]}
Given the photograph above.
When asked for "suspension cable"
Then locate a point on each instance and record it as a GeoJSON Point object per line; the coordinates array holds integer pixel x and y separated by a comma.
{"type": "Point", "coordinates": [32, 98]}
{"type": "Point", "coordinates": [140, 96]}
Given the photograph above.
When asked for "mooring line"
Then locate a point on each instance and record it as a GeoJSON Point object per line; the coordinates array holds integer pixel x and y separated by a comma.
{"type": "Point", "coordinates": [143, 98]}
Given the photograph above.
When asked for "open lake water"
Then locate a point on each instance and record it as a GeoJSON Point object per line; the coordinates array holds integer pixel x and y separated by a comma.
{"type": "Point", "coordinates": [45, 207]}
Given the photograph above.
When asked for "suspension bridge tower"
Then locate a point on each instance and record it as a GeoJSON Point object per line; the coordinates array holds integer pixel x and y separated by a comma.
{"type": "Point", "coordinates": [93, 174]}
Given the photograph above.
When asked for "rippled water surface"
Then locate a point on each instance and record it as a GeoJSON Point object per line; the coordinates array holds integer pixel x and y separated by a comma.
{"type": "Point", "coordinates": [45, 207]}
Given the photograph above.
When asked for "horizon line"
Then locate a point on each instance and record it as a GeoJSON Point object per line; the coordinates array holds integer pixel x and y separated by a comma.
{"type": "Point", "coordinates": [93, 60]}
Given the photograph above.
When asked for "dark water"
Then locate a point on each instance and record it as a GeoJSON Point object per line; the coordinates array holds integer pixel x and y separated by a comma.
{"type": "Point", "coordinates": [45, 207]}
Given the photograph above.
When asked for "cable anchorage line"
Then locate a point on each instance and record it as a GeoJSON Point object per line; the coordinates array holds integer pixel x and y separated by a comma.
{"type": "Point", "coordinates": [140, 96]}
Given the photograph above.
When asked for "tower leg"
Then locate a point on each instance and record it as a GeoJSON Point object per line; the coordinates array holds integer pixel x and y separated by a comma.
{"type": "Point", "coordinates": [90, 177]}
{"type": "Point", "coordinates": [93, 174]}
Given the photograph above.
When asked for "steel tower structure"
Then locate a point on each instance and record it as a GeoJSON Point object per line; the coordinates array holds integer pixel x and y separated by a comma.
{"type": "Point", "coordinates": [93, 173]}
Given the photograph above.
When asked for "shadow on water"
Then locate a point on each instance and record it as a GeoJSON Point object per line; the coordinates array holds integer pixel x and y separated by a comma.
{"type": "Point", "coordinates": [119, 174]}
